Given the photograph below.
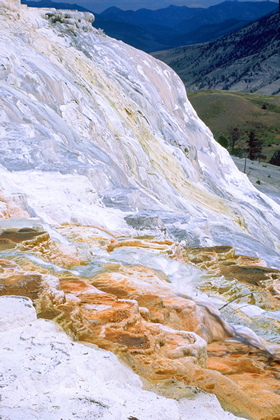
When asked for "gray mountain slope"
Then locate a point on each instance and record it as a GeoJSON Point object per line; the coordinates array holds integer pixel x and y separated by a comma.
{"type": "Point", "coordinates": [244, 61]}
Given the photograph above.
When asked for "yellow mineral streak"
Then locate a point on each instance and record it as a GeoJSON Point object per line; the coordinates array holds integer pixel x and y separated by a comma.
{"type": "Point", "coordinates": [88, 77]}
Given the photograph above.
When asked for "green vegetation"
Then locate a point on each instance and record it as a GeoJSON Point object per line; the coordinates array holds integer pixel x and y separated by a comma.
{"type": "Point", "coordinates": [275, 160]}
{"type": "Point", "coordinates": [223, 141]}
{"type": "Point", "coordinates": [232, 116]}
{"type": "Point", "coordinates": [254, 147]}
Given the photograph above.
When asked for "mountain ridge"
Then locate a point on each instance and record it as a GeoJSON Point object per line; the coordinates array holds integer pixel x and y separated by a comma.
{"type": "Point", "coordinates": [137, 28]}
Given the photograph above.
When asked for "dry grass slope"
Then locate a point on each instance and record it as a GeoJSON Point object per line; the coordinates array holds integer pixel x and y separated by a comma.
{"type": "Point", "coordinates": [222, 110]}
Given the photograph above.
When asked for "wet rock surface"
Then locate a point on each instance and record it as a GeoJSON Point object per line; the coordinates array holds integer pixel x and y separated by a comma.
{"type": "Point", "coordinates": [41, 368]}
{"type": "Point", "coordinates": [132, 310]}
{"type": "Point", "coordinates": [222, 260]}
{"type": "Point", "coordinates": [253, 370]}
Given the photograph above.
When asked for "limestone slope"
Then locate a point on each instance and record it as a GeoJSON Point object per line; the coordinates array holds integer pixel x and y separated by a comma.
{"type": "Point", "coordinates": [104, 168]}
{"type": "Point", "coordinates": [96, 132]}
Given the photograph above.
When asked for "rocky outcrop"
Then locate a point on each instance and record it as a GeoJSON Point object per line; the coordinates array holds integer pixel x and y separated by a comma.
{"type": "Point", "coordinates": [134, 312]}
{"type": "Point", "coordinates": [249, 270]}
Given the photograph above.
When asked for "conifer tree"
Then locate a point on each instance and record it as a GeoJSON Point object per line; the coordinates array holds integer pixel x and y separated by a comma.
{"type": "Point", "coordinates": [254, 146]}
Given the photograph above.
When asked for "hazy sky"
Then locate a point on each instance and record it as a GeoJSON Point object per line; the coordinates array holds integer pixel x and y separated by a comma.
{"type": "Point", "coordinates": [100, 5]}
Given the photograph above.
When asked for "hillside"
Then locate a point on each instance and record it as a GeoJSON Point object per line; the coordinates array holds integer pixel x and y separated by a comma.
{"type": "Point", "coordinates": [209, 32]}
{"type": "Point", "coordinates": [244, 61]}
{"type": "Point", "coordinates": [222, 111]}
{"type": "Point", "coordinates": [146, 39]}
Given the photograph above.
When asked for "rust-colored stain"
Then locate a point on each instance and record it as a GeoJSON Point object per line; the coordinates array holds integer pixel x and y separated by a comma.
{"type": "Point", "coordinates": [132, 311]}
{"type": "Point", "coordinates": [130, 340]}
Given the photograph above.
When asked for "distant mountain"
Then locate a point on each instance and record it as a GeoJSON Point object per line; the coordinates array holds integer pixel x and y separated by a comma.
{"type": "Point", "coordinates": [56, 5]}
{"type": "Point", "coordinates": [245, 61]}
{"type": "Point", "coordinates": [134, 35]}
{"type": "Point", "coordinates": [248, 11]}
{"type": "Point", "coordinates": [153, 30]}
{"type": "Point", "coordinates": [175, 26]}
{"type": "Point", "coordinates": [209, 32]}
{"type": "Point", "coordinates": [170, 16]}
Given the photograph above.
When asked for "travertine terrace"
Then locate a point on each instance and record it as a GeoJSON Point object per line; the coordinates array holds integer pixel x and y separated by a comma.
{"type": "Point", "coordinates": [126, 225]}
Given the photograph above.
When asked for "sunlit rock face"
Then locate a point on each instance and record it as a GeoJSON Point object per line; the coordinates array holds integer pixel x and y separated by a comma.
{"type": "Point", "coordinates": [95, 132]}
{"type": "Point", "coordinates": [109, 186]}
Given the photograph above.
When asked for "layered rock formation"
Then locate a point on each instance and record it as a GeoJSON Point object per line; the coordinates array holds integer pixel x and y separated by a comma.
{"type": "Point", "coordinates": [98, 133]}
{"type": "Point", "coordinates": [110, 187]}
{"type": "Point", "coordinates": [135, 312]}
{"type": "Point", "coordinates": [70, 380]}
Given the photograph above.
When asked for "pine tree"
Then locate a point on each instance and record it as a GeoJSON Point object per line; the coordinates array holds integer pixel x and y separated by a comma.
{"type": "Point", "coordinates": [254, 146]}
{"type": "Point", "coordinates": [275, 160]}
{"type": "Point", "coordinates": [223, 141]}
{"type": "Point", "coordinates": [234, 138]}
